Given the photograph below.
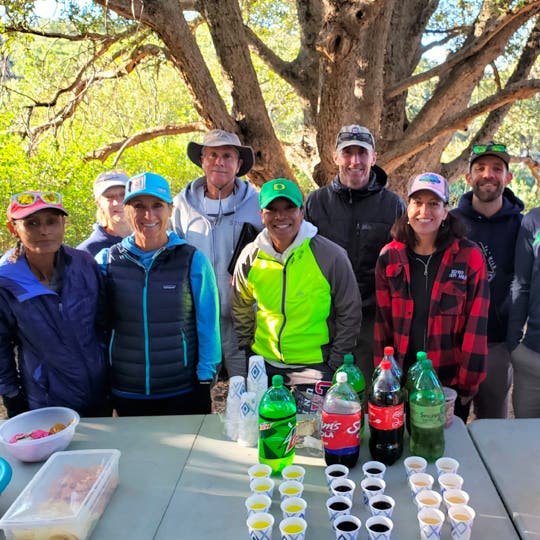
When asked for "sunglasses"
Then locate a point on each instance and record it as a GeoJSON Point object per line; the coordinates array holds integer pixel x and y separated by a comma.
{"type": "Point", "coordinates": [492, 147]}
{"type": "Point", "coordinates": [350, 136]}
{"type": "Point", "coordinates": [28, 198]}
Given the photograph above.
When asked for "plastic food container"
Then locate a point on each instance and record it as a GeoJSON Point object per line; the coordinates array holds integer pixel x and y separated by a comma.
{"type": "Point", "coordinates": [39, 419]}
{"type": "Point", "coordinates": [65, 498]}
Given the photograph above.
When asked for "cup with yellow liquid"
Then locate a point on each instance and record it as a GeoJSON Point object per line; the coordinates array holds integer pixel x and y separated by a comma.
{"type": "Point", "coordinates": [293, 507]}
{"type": "Point", "coordinates": [262, 486]}
{"type": "Point", "coordinates": [260, 526]}
{"type": "Point", "coordinates": [450, 481]}
{"type": "Point", "coordinates": [420, 481]}
{"type": "Point", "coordinates": [455, 497]}
{"type": "Point", "coordinates": [414, 464]}
{"type": "Point", "coordinates": [430, 521]}
{"type": "Point", "coordinates": [461, 521]}
{"type": "Point", "coordinates": [293, 528]}
{"type": "Point", "coordinates": [447, 465]}
{"type": "Point", "coordinates": [293, 472]}
{"type": "Point", "coordinates": [290, 488]}
{"type": "Point", "coordinates": [258, 503]}
{"type": "Point", "coordinates": [259, 470]}
{"type": "Point", "coordinates": [427, 498]}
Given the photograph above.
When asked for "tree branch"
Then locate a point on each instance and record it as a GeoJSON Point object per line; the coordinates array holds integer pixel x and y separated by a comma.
{"type": "Point", "coordinates": [407, 148]}
{"type": "Point", "coordinates": [103, 153]}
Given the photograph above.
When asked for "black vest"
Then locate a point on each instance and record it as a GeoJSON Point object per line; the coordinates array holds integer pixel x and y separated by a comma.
{"type": "Point", "coordinates": [154, 346]}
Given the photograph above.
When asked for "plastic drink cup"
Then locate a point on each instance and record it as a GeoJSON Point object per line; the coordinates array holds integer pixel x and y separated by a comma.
{"type": "Point", "coordinates": [374, 469]}
{"type": "Point", "coordinates": [371, 487]}
{"type": "Point", "coordinates": [260, 526]}
{"type": "Point", "coordinates": [381, 505]}
{"type": "Point", "coordinates": [427, 498]}
{"type": "Point", "coordinates": [450, 396]}
{"type": "Point", "coordinates": [461, 521]}
{"type": "Point", "coordinates": [293, 528]}
{"type": "Point", "coordinates": [262, 486]}
{"type": "Point", "coordinates": [259, 470]}
{"type": "Point", "coordinates": [447, 465]}
{"type": "Point", "coordinates": [338, 505]}
{"type": "Point", "coordinates": [343, 486]}
{"type": "Point", "coordinates": [332, 472]}
{"type": "Point", "coordinates": [347, 527]}
{"type": "Point", "coordinates": [415, 464]}
{"type": "Point", "coordinates": [450, 481]}
{"type": "Point", "coordinates": [430, 521]}
{"type": "Point", "coordinates": [293, 507]}
{"type": "Point", "coordinates": [293, 472]}
{"type": "Point", "coordinates": [290, 488]}
{"type": "Point", "coordinates": [455, 497]}
{"type": "Point", "coordinates": [420, 481]}
{"type": "Point", "coordinates": [379, 527]}
{"type": "Point", "coordinates": [258, 503]}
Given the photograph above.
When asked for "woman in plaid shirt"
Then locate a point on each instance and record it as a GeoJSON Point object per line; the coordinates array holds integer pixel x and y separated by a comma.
{"type": "Point", "coordinates": [432, 292]}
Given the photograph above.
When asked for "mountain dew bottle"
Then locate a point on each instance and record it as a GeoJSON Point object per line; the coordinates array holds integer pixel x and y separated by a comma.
{"type": "Point", "coordinates": [277, 426]}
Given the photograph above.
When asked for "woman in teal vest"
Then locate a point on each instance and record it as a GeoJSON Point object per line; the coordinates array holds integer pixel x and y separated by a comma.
{"type": "Point", "coordinates": [295, 299]}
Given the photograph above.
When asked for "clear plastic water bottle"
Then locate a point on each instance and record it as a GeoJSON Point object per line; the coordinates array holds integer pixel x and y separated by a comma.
{"type": "Point", "coordinates": [277, 426]}
{"type": "Point", "coordinates": [427, 411]}
{"type": "Point", "coordinates": [385, 408]}
{"type": "Point", "coordinates": [340, 423]}
{"type": "Point", "coordinates": [356, 379]}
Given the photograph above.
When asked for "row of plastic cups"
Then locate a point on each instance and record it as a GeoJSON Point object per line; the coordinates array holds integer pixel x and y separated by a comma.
{"type": "Point", "coordinates": [347, 527]}
{"type": "Point", "coordinates": [461, 519]}
{"type": "Point", "coordinates": [260, 527]}
{"type": "Point", "coordinates": [422, 481]}
{"type": "Point", "coordinates": [417, 464]}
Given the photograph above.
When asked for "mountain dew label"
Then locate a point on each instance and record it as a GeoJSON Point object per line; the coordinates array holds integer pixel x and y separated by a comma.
{"type": "Point", "coordinates": [277, 438]}
{"type": "Point", "coordinates": [427, 416]}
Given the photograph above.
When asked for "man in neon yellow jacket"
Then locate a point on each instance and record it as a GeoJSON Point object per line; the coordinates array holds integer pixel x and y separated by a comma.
{"type": "Point", "coordinates": [295, 300]}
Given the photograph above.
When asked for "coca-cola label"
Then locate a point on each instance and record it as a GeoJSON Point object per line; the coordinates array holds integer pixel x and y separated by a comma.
{"type": "Point", "coordinates": [340, 430]}
{"type": "Point", "coordinates": [428, 416]}
{"type": "Point", "coordinates": [385, 418]}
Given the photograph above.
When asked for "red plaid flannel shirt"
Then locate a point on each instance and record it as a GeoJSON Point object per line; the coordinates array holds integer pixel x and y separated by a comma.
{"type": "Point", "coordinates": [458, 313]}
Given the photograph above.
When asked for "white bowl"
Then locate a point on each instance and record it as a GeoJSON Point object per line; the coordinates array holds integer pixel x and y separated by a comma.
{"type": "Point", "coordinates": [39, 449]}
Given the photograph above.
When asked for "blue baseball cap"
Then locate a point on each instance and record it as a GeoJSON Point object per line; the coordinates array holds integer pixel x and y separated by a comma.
{"type": "Point", "coordinates": [148, 184]}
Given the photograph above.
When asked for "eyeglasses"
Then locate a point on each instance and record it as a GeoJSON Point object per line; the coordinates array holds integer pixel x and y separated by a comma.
{"type": "Point", "coordinates": [491, 147]}
{"type": "Point", "coordinates": [28, 198]}
{"type": "Point", "coordinates": [350, 136]}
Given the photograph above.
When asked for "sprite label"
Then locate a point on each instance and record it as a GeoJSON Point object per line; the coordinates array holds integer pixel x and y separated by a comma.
{"type": "Point", "coordinates": [277, 437]}
{"type": "Point", "coordinates": [427, 416]}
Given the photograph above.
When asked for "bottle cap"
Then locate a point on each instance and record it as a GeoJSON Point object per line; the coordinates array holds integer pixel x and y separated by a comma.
{"type": "Point", "coordinates": [421, 355]}
{"type": "Point", "coordinates": [348, 359]}
{"type": "Point", "coordinates": [386, 364]}
{"type": "Point", "coordinates": [389, 351]}
{"type": "Point", "coordinates": [277, 380]}
{"type": "Point", "coordinates": [341, 377]}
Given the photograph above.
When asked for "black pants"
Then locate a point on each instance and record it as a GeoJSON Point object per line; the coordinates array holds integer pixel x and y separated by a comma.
{"type": "Point", "coordinates": [191, 403]}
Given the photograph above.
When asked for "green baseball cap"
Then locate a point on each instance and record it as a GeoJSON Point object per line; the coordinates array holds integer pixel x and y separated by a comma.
{"type": "Point", "coordinates": [280, 187]}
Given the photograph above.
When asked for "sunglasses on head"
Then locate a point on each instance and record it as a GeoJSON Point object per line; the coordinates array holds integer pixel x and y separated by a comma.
{"type": "Point", "coordinates": [350, 136]}
{"type": "Point", "coordinates": [491, 147]}
{"type": "Point", "coordinates": [28, 198]}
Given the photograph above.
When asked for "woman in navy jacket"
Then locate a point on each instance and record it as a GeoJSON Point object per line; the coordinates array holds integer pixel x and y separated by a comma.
{"type": "Point", "coordinates": [52, 350]}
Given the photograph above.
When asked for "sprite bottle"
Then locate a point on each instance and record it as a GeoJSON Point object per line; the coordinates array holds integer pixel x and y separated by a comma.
{"type": "Point", "coordinates": [277, 426]}
{"type": "Point", "coordinates": [427, 410]}
{"type": "Point", "coordinates": [412, 374]}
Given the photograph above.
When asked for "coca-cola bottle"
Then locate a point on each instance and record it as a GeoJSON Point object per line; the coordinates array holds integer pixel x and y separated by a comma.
{"type": "Point", "coordinates": [396, 370]}
{"type": "Point", "coordinates": [340, 423]}
{"type": "Point", "coordinates": [385, 409]}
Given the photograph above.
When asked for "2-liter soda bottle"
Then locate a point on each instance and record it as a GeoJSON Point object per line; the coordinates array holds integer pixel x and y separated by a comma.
{"type": "Point", "coordinates": [385, 408]}
{"type": "Point", "coordinates": [412, 374]}
{"type": "Point", "coordinates": [340, 423]}
{"type": "Point", "coordinates": [277, 426]}
{"type": "Point", "coordinates": [356, 379]}
{"type": "Point", "coordinates": [396, 370]}
{"type": "Point", "coordinates": [427, 411]}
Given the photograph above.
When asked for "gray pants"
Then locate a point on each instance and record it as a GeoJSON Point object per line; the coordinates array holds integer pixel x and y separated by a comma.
{"type": "Point", "coordinates": [526, 395]}
{"type": "Point", "coordinates": [492, 398]}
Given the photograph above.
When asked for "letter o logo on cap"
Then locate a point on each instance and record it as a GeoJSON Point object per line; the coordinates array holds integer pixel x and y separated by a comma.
{"type": "Point", "coordinates": [279, 187]}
